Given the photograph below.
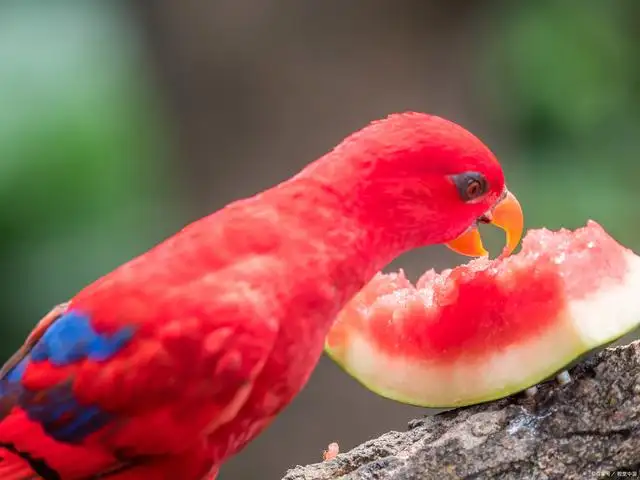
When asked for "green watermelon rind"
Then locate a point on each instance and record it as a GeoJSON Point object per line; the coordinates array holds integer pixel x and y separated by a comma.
{"type": "Point", "coordinates": [507, 391]}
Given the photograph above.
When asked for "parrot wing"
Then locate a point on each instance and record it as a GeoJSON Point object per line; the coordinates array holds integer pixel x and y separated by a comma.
{"type": "Point", "coordinates": [74, 399]}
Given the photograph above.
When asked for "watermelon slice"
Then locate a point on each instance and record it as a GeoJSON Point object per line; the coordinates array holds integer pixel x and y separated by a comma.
{"type": "Point", "coordinates": [490, 328]}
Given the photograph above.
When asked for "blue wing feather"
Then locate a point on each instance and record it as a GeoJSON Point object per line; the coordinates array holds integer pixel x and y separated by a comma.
{"type": "Point", "coordinates": [72, 338]}
{"type": "Point", "coordinates": [69, 338]}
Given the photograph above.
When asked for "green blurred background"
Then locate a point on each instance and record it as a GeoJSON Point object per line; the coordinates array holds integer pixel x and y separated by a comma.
{"type": "Point", "coordinates": [121, 122]}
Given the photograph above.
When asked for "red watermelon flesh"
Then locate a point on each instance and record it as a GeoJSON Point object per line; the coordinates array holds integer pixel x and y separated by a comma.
{"type": "Point", "coordinates": [489, 328]}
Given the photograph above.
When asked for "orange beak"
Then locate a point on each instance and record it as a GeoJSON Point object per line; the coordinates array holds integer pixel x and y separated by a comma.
{"type": "Point", "coordinates": [507, 215]}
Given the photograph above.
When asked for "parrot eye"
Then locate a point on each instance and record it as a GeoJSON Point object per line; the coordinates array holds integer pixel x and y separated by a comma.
{"type": "Point", "coordinates": [470, 185]}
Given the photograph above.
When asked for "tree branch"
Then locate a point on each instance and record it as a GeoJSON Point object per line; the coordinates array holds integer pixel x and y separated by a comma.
{"type": "Point", "coordinates": [589, 428]}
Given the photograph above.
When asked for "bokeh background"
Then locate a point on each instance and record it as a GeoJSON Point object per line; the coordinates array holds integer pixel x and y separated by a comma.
{"type": "Point", "coordinates": [121, 122]}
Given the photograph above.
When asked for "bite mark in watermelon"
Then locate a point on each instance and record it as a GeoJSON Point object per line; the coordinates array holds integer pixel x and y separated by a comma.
{"type": "Point", "coordinates": [489, 328]}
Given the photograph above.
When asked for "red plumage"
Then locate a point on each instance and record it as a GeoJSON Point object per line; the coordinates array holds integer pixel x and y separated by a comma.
{"type": "Point", "coordinates": [228, 316]}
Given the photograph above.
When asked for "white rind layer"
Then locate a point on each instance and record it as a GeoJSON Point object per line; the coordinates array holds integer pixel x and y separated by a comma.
{"type": "Point", "coordinates": [613, 311]}
{"type": "Point", "coordinates": [586, 324]}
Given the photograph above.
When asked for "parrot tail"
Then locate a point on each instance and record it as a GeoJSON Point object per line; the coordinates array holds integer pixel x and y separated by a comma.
{"type": "Point", "coordinates": [13, 467]}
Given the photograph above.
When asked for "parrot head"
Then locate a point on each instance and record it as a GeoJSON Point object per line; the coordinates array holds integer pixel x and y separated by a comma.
{"type": "Point", "coordinates": [430, 181]}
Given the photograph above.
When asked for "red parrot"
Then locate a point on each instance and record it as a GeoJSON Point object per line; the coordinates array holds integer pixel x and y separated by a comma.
{"type": "Point", "coordinates": [173, 362]}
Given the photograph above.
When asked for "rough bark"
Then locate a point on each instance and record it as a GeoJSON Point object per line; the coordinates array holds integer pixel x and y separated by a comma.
{"type": "Point", "coordinates": [588, 428]}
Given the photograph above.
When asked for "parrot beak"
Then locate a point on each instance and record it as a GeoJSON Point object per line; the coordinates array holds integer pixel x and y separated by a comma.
{"type": "Point", "coordinates": [507, 215]}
